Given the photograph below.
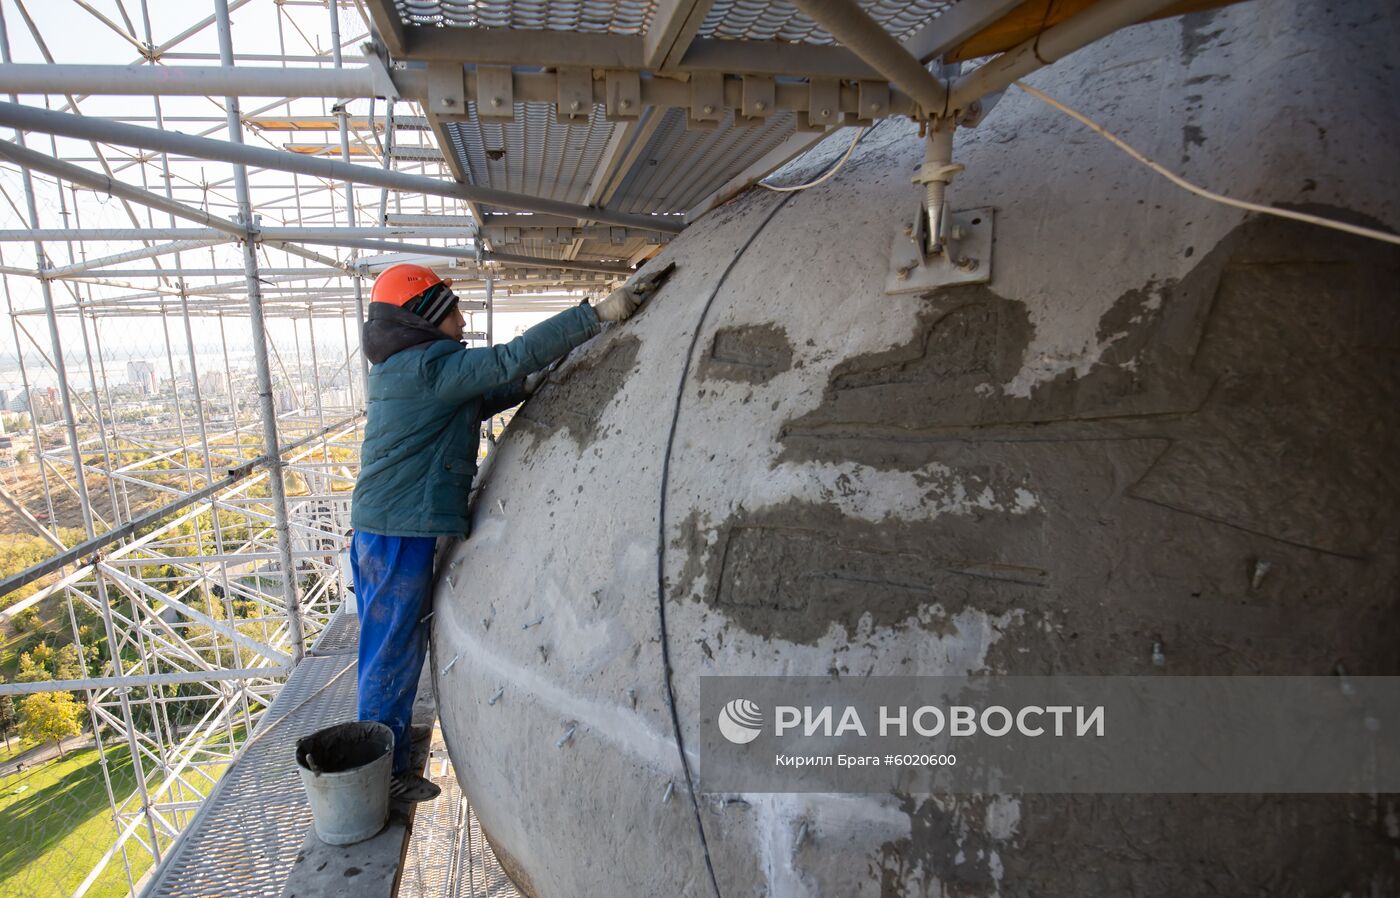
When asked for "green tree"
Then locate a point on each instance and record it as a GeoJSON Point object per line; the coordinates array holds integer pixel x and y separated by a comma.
{"type": "Point", "coordinates": [27, 620]}
{"type": "Point", "coordinates": [32, 668]}
{"type": "Point", "coordinates": [7, 719]}
{"type": "Point", "coordinates": [67, 665]}
{"type": "Point", "coordinates": [49, 716]}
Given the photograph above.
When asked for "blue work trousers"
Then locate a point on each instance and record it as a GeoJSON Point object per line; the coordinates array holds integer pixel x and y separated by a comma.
{"type": "Point", "coordinates": [394, 593]}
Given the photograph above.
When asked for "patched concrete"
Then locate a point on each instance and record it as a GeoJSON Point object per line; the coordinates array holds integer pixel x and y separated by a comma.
{"type": "Point", "coordinates": [1051, 473]}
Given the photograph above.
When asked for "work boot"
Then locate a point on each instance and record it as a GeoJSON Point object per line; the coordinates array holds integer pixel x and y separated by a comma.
{"type": "Point", "coordinates": [412, 787]}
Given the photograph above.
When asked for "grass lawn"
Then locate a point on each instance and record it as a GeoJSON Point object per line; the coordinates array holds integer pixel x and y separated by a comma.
{"type": "Point", "coordinates": [55, 826]}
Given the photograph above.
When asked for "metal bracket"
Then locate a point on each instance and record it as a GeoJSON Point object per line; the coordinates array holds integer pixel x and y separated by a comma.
{"type": "Point", "coordinates": [495, 93]}
{"type": "Point", "coordinates": [823, 105]}
{"type": "Point", "coordinates": [978, 110]}
{"type": "Point", "coordinates": [874, 101]}
{"type": "Point", "coordinates": [706, 101]}
{"type": "Point", "coordinates": [446, 88]}
{"type": "Point", "coordinates": [966, 257]}
{"type": "Point", "coordinates": [575, 102]}
{"type": "Point", "coordinates": [378, 60]}
{"type": "Point", "coordinates": [623, 96]}
{"type": "Point", "coordinates": [759, 96]}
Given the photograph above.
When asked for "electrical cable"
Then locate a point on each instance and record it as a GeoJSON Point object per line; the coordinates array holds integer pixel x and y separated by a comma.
{"type": "Point", "coordinates": [829, 172]}
{"type": "Point", "coordinates": [1201, 191]}
{"type": "Point", "coordinates": [661, 530]}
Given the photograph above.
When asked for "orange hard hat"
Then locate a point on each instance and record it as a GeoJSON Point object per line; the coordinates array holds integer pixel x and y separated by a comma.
{"type": "Point", "coordinates": [398, 284]}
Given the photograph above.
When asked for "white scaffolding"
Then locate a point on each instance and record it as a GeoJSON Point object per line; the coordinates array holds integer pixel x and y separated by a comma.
{"type": "Point", "coordinates": [211, 477]}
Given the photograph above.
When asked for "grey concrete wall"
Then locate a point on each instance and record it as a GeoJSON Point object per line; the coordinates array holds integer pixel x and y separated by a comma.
{"type": "Point", "coordinates": [1049, 473]}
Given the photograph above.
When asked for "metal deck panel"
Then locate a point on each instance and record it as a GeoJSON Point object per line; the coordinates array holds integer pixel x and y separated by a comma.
{"type": "Point", "coordinates": [680, 166]}
{"type": "Point", "coordinates": [448, 857]}
{"type": "Point", "coordinates": [586, 16]}
{"type": "Point", "coordinates": [759, 20]}
{"type": "Point", "coordinates": [248, 831]}
{"type": "Point", "coordinates": [536, 154]}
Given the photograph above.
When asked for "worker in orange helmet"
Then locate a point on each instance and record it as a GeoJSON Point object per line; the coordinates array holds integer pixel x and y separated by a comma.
{"type": "Point", "coordinates": [428, 395]}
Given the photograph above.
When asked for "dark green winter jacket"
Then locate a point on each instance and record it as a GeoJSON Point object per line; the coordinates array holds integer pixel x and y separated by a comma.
{"type": "Point", "coordinates": [428, 395]}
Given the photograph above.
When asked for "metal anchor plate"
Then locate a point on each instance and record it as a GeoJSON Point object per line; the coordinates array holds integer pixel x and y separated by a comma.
{"type": "Point", "coordinates": [966, 257]}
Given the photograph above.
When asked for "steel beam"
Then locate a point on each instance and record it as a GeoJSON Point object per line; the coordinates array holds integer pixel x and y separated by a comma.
{"type": "Point", "coordinates": [27, 158]}
{"type": "Point", "coordinates": [674, 24]}
{"type": "Point", "coordinates": [854, 28]}
{"type": "Point", "coordinates": [201, 81]}
{"type": "Point", "coordinates": [28, 118]}
{"type": "Point", "coordinates": [1057, 42]}
{"type": "Point", "coordinates": [139, 680]}
{"type": "Point", "coordinates": [149, 252]}
{"type": "Point", "coordinates": [955, 25]}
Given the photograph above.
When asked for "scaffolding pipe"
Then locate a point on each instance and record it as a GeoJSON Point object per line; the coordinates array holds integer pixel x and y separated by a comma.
{"type": "Point", "coordinates": [149, 252]}
{"type": "Point", "coordinates": [1099, 20]}
{"type": "Point", "coordinates": [202, 81]}
{"type": "Point", "coordinates": [846, 21]}
{"type": "Point", "coordinates": [85, 504]}
{"type": "Point", "coordinates": [344, 128]}
{"type": "Point", "coordinates": [259, 336]}
{"type": "Point", "coordinates": [20, 235]}
{"type": "Point", "coordinates": [27, 118]}
{"type": "Point", "coordinates": [135, 680]}
{"type": "Point", "coordinates": [28, 159]}
{"type": "Point", "coordinates": [83, 551]}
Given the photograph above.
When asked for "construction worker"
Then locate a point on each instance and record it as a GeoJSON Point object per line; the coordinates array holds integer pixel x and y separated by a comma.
{"type": "Point", "coordinates": [428, 395]}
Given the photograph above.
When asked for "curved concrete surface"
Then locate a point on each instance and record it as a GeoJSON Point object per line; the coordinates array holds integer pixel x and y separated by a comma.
{"type": "Point", "coordinates": [1049, 473]}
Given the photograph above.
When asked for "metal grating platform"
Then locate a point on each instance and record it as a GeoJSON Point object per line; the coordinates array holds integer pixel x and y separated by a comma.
{"type": "Point", "coordinates": [246, 835]}
{"type": "Point", "coordinates": [448, 857]}
{"type": "Point", "coordinates": [533, 154]}
{"type": "Point", "coordinates": [587, 16]}
{"type": "Point", "coordinates": [681, 166]}
{"type": "Point", "coordinates": [759, 20]}
{"type": "Point", "coordinates": [341, 635]}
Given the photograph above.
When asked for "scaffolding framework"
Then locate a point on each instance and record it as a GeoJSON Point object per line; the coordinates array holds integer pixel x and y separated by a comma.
{"type": "Point", "coordinates": [188, 369]}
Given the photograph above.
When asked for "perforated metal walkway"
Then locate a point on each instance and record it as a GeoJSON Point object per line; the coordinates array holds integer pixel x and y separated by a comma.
{"type": "Point", "coordinates": [246, 835]}
{"type": "Point", "coordinates": [448, 856]}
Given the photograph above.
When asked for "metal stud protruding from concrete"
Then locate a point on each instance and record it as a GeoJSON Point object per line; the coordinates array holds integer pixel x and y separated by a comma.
{"type": "Point", "coordinates": [1341, 672]}
{"type": "Point", "coordinates": [1261, 569]}
{"type": "Point", "coordinates": [567, 737]}
{"type": "Point", "coordinates": [803, 832]}
{"type": "Point", "coordinates": [496, 696]}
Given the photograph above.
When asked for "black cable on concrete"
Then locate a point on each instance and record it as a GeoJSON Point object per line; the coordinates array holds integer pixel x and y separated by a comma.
{"type": "Point", "coordinates": [661, 533]}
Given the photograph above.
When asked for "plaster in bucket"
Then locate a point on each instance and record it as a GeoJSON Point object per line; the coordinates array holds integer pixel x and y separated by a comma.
{"type": "Point", "coordinates": [346, 769]}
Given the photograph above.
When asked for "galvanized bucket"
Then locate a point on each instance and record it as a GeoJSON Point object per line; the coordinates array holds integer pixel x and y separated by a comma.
{"type": "Point", "coordinates": [346, 769]}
